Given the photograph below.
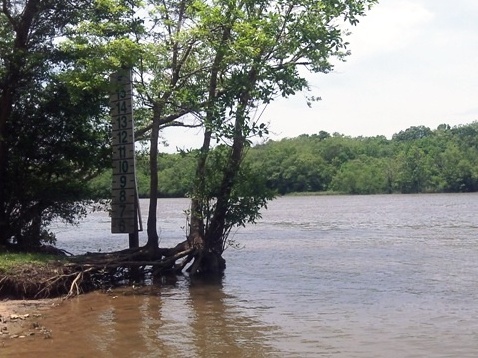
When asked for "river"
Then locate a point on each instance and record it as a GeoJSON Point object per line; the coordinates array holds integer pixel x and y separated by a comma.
{"type": "Point", "coordinates": [320, 276]}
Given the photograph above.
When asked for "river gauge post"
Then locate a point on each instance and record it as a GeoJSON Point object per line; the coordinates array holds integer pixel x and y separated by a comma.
{"type": "Point", "coordinates": [124, 204]}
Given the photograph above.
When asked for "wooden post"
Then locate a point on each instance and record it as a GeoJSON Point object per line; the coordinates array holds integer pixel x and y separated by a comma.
{"type": "Point", "coordinates": [124, 205]}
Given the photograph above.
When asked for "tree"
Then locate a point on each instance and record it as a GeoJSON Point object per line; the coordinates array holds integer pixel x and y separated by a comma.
{"type": "Point", "coordinates": [51, 141]}
{"type": "Point", "coordinates": [218, 62]}
{"type": "Point", "coordinates": [221, 61]}
{"type": "Point", "coordinates": [414, 174]}
{"type": "Point", "coordinates": [257, 56]}
{"type": "Point", "coordinates": [363, 175]}
{"type": "Point", "coordinates": [412, 133]}
{"type": "Point", "coordinates": [171, 81]}
{"type": "Point", "coordinates": [458, 172]}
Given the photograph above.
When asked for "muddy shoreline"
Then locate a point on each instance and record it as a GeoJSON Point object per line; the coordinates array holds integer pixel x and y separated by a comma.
{"type": "Point", "coordinates": [23, 318]}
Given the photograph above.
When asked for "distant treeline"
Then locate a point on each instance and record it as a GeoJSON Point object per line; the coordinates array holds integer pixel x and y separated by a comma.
{"type": "Point", "coordinates": [415, 160]}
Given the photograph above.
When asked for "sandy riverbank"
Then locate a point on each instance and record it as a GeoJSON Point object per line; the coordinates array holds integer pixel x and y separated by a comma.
{"type": "Point", "coordinates": [22, 318]}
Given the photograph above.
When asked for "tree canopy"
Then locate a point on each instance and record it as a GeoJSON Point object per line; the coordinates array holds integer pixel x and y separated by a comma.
{"type": "Point", "coordinates": [212, 64]}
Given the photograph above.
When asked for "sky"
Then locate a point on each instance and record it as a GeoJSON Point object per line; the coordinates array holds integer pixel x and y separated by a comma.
{"type": "Point", "coordinates": [413, 62]}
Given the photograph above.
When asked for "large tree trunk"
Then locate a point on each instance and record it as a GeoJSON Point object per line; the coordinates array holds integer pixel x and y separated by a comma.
{"type": "Point", "coordinates": [209, 258]}
{"type": "Point", "coordinates": [205, 260]}
{"type": "Point", "coordinates": [216, 234]}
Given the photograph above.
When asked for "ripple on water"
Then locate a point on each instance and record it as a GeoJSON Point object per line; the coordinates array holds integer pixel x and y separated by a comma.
{"type": "Point", "coordinates": [340, 276]}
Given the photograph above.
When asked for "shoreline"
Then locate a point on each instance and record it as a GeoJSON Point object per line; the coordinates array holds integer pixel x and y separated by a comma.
{"type": "Point", "coordinates": [20, 318]}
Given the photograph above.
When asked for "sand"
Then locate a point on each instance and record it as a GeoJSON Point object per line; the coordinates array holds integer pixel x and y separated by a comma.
{"type": "Point", "coordinates": [21, 318]}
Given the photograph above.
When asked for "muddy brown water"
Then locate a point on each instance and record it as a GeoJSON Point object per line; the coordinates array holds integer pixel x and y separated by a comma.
{"type": "Point", "coordinates": [339, 276]}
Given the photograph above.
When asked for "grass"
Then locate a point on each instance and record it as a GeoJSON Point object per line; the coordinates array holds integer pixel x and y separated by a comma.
{"type": "Point", "coordinates": [10, 261]}
{"type": "Point", "coordinates": [32, 276]}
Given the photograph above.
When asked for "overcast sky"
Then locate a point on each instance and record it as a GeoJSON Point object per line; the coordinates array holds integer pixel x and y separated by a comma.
{"type": "Point", "coordinates": [413, 62]}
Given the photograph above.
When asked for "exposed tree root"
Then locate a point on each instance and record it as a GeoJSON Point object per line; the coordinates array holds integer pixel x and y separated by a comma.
{"type": "Point", "coordinates": [79, 274]}
{"type": "Point", "coordinates": [38, 281]}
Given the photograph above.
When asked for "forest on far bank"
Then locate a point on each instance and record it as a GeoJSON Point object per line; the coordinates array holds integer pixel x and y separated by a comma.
{"type": "Point", "coordinates": [415, 160]}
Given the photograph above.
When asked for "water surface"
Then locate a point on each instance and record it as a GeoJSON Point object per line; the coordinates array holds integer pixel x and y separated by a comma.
{"type": "Point", "coordinates": [327, 276]}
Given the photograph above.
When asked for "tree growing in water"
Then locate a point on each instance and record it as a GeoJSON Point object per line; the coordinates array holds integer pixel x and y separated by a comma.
{"type": "Point", "coordinates": [255, 51]}
{"type": "Point", "coordinates": [218, 63]}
